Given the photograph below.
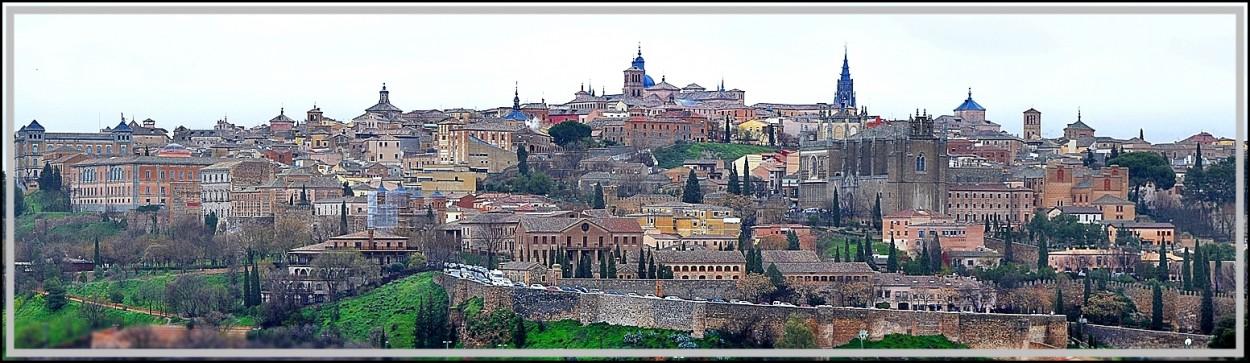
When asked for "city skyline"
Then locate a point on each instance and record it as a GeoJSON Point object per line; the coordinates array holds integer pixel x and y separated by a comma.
{"type": "Point", "coordinates": [247, 67]}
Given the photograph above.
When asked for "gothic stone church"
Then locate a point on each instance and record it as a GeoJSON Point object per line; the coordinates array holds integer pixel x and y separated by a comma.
{"type": "Point", "coordinates": [903, 161]}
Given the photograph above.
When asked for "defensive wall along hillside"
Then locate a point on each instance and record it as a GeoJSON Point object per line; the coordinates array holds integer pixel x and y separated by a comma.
{"type": "Point", "coordinates": [834, 325]}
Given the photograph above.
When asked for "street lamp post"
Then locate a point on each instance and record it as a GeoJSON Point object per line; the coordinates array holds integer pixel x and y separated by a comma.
{"type": "Point", "coordinates": [446, 344]}
{"type": "Point", "coordinates": [1188, 342]}
{"type": "Point", "coordinates": [863, 334]}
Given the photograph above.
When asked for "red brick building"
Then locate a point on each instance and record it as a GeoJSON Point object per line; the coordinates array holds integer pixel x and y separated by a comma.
{"type": "Point", "coordinates": [128, 182]}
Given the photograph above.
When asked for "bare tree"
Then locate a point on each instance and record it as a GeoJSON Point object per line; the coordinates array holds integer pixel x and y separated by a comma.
{"type": "Point", "coordinates": [186, 295]}
{"type": "Point", "coordinates": [343, 271]}
{"type": "Point", "coordinates": [493, 235]}
{"type": "Point", "coordinates": [94, 312]}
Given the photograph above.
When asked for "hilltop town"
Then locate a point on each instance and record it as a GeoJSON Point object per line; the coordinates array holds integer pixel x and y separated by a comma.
{"type": "Point", "coordinates": [656, 217]}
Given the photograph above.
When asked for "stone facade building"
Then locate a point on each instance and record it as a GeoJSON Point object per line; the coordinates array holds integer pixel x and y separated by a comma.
{"type": "Point", "coordinates": [32, 142]}
{"type": "Point", "coordinates": [702, 265]}
{"type": "Point", "coordinates": [537, 236]}
{"type": "Point", "coordinates": [903, 162]}
{"type": "Point", "coordinates": [125, 183]}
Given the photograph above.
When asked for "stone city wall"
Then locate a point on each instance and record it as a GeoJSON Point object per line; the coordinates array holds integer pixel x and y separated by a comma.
{"type": "Point", "coordinates": [686, 289]}
{"type": "Point", "coordinates": [1128, 338]}
{"type": "Point", "coordinates": [1025, 254]}
{"type": "Point", "coordinates": [834, 326]}
{"type": "Point", "coordinates": [1180, 308]}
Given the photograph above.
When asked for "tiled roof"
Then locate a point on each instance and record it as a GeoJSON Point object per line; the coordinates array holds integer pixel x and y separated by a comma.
{"type": "Point", "coordinates": [824, 267]}
{"type": "Point", "coordinates": [519, 265]}
{"type": "Point", "coordinates": [151, 160]}
{"type": "Point", "coordinates": [1109, 199]}
{"type": "Point", "coordinates": [1141, 225]}
{"type": "Point", "coordinates": [783, 256]}
{"type": "Point", "coordinates": [1079, 125]}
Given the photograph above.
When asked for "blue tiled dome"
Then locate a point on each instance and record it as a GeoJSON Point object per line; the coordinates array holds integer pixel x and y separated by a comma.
{"type": "Point", "coordinates": [647, 81]}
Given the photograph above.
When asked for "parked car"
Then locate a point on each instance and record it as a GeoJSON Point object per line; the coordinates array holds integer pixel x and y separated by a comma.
{"type": "Point", "coordinates": [652, 296]}
{"type": "Point", "coordinates": [518, 284]}
{"type": "Point", "coordinates": [672, 298]}
{"type": "Point", "coordinates": [824, 306]}
{"type": "Point", "coordinates": [538, 286]}
{"type": "Point", "coordinates": [581, 289]}
{"type": "Point", "coordinates": [744, 303]}
{"type": "Point", "coordinates": [594, 291]}
{"type": "Point", "coordinates": [717, 300]}
{"type": "Point", "coordinates": [696, 298]}
{"type": "Point", "coordinates": [634, 295]}
{"type": "Point", "coordinates": [554, 288]}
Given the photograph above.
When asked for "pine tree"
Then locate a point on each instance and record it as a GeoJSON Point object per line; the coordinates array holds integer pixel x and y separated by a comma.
{"type": "Point", "coordinates": [1156, 308]}
{"type": "Point", "coordinates": [891, 262]}
{"type": "Point", "coordinates": [774, 275]}
{"type": "Point", "coordinates": [598, 203]}
{"type": "Point", "coordinates": [793, 240]}
{"type": "Point", "coordinates": [347, 190]}
{"type": "Point", "coordinates": [734, 187]}
{"type": "Point", "coordinates": [692, 192]}
{"type": "Point", "coordinates": [836, 212]}
{"type": "Point", "coordinates": [1187, 274]}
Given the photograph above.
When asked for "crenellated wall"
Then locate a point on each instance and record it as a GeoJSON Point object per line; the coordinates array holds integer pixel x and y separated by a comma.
{"type": "Point", "coordinates": [834, 325]}
{"type": "Point", "coordinates": [686, 289]}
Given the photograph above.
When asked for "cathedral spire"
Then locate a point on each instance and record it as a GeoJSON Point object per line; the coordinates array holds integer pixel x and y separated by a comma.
{"type": "Point", "coordinates": [516, 96]}
{"type": "Point", "coordinates": [845, 96]}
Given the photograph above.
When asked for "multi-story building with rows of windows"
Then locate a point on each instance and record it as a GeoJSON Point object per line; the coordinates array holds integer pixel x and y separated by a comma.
{"type": "Point", "coordinates": [33, 142]}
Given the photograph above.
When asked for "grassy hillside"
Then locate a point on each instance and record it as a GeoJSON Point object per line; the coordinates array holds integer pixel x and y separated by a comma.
{"type": "Point", "coordinates": [393, 306]}
{"type": "Point", "coordinates": [63, 326]}
{"type": "Point", "coordinates": [81, 232]}
{"type": "Point", "coordinates": [673, 156]}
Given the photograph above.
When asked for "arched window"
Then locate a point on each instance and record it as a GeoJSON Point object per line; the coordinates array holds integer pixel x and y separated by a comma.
{"type": "Point", "coordinates": [920, 162]}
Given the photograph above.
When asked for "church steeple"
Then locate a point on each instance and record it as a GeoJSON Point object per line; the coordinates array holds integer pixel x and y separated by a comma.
{"type": "Point", "coordinates": [516, 98]}
{"type": "Point", "coordinates": [384, 96]}
{"type": "Point", "coordinates": [845, 97]}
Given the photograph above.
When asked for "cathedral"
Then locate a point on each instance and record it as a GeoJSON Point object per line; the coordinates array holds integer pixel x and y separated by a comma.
{"type": "Point", "coordinates": [904, 162]}
{"type": "Point", "coordinates": [639, 89]}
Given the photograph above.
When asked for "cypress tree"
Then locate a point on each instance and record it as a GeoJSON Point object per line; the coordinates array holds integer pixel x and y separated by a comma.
{"type": "Point", "coordinates": [347, 190]}
{"type": "Point", "coordinates": [937, 255]}
{"type": "Point", "coordinates": [877, 220]}
{"type": "Point", "coordinates": [1043, 253]}
{"type": "Point", "coordinates": [518, 334]}
{"type": "Point", "coordinates": [420, 326]}
{"type": "Point", "coordinates": [925, 263]}
{"type": "Point", "coordinates": [1187, 275]}
{"type": "Point", "coordinates": [642, 263]}
{"type": "Point", "coordinates": [611, 268]}
{"type": "Point", "coordinates": [1008, 255]}
{"type": "Point", "coordinates": [772, 137]}
{"type": "Point", "coordinates": [620, 255]}
{"type": "Point", "coordinates": [523, 165]}
{"type": "Point", "coordinates": [837, 255]}
{"type": "Point", "coordinates": [603, 268]}
{"type": "Point", "coordinates": [1059, 301]}
{"type": "Point", "coordinates": [793, 240]}
{"type": "Point", "coordinates": [891, 262]}
{"type": "Point", "coordinates": [859, 252]}
{"type": "Point", "coordinates": [1156, 308]}
{"type": "Point", "coordinates": [987, 225]}
{"type": "Point", "coordinates": [1163, 264]}
{"type": "Point", "coordinates": [256, 296]}
{"type": "Point", "coordinates": [598, 203]}
{"type": "Point", "coordinates": [727, 132]}
{"type": "Point", "coordinates": [734, 187]}
{"type": "Point", "coordinates": [247, 287]}
{"type": "Point", "coordinates": [1085, 297]}
{"type": "Point", "coordinates": [1215, 283]}
{"type": "Point", "coordinates": [343, 218]}
{"type": "Point", "coordinates": [303, 195]}
{"type": "Point", "coordinates": [97, 260]}
{"type": "Point", "coordinates": [846, 249]}
{"type": "Point", "coordinates": [692, 192]}
{"type": "Point", "coordinates": [650, 265]}
{"type": "Point", "coordinates": [1206, 315]}
{"type": "Point", "coordinates": [836, 213]}
{"type": "Point", "coordinates": [746, 180]}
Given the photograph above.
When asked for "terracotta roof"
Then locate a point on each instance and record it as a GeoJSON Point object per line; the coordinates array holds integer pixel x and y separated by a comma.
{"type": "Point", "coordinates": [365, 235]}
{"type": "Point", "coordinates": [824, 267]}
{"type": "Point", "coordinates": [1109, 199]}
{"type": "Point", "coordinates": [782, 256]}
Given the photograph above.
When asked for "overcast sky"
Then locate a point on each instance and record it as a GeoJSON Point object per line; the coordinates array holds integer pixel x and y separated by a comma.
{"type": "Point", "coordinates": [1171, 74]}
